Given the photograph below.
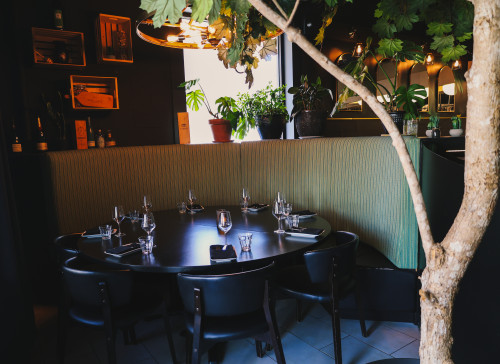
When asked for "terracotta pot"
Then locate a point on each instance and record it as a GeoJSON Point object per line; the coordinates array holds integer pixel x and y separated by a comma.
{"type": "Point", "coordinates": [310, 123]}
{"type": "Point", "coordinates": [270, 127]}
{"type": "Point", "coordinates": [221, 129]}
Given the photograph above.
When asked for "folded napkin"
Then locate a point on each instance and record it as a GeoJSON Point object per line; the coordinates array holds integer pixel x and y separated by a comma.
{"type": "Point", "coordinates": [257, 206]}
{"type": "Point", "coordinates": [305, 231]}
{"type": "Point", "coordinates": [120, 251]}
{"type": "Point", "coordinates": [303, 213]}
{"type": "Point", "coordinates": [222, 252]}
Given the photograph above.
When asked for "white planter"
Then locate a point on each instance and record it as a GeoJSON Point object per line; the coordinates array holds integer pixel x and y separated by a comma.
{"type": "Point", "coordinates": [456, 132]}
{"type": "Point", "coordinates": [428, 133]}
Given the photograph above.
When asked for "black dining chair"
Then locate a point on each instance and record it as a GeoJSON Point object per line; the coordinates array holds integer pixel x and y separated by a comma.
{"type": "Point", "coordinates": [220, 308]}
{"type": "Point", "coordinates": [109, 298]}
{"type": "Point", "coordinates": [327, 276]}
{"type": "Point", "coordinates": [65, 247]}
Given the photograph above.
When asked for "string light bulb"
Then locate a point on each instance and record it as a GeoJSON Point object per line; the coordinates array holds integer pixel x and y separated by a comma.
{"type": "Point", "coordinates": [358, 50]}
{"type": "Point", "coordinates": [456, 65]}
{"type": "Point", "coordinates": [429, 59]}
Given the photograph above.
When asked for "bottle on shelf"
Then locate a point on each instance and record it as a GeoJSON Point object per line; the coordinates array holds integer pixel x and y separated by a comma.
{"type": "Point", "coordinates": [41, 141]}
{"type": "Point", "coordinates": [90, 135]}
{"type": "Point", "coordinates": [58, 16]}
{"type": "Point", "coordinates": [110, 142]}
{"type": "Point", "coordinates": [100, 139]}
{"type": "Point", "coordinates": [17, 147]}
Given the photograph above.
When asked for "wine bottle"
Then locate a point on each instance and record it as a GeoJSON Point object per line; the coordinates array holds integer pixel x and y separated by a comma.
{"type": "Point", "coordinates": [17, 147]}
{"type": "Point", "coordinates": [100, 139]}
{"type": "Point", "coordinates": [110, 142]}
{"type": "Point", "coordinates": [90, 134]}
{"type": "Point", "coordinates": [58, 16]}
{"type": "Point", "coordinates": [41, 142]}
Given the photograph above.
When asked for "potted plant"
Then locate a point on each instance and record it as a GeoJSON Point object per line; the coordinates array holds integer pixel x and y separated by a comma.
{"type": "Point", "coordinates": [433, 127]}
{"type": "Point", "coordinates": [409, 98]}
{"type": "Point", "coordinates": [456, 126]}
{"type": "Point", "coordinates": [265, 110]}
{"type": "Point", "coordinates": [308, 109]}
{"type": "Point", "coordinates": [225, 119]}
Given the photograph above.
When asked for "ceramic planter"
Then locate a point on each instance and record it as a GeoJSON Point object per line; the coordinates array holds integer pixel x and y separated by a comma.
{"type": "Point", "coordinates": [310, 123]}
{"type": "Point", "coordinates": [270, 127]}
{"type": "Point", "coordinates": [456, 132]}
{"type": "Point", "coordinates": [221, 130]}
{"type": "Point", "coordinates": [397, 117]}
{"type": "Point", "coordinates": [428, 133]}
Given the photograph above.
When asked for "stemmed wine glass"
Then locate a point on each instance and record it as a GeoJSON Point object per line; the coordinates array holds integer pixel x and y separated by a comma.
{"type": "Point", "coordinates": [146, 203]}
{"type": "Point", "coordinates": [118, 216]}
{"type": "Point", "coordinates": [244, 199]}
{"type": "Point", "coordinates": [278, 213]}
{"type": "Point", "coordinates": [191, 200]}
{"type": "Point", "coordinates": [225, 223]}
{"type": "Point", "coordinates": [281, 197]}
{"type": "Point", "coordinates": [148, 223]}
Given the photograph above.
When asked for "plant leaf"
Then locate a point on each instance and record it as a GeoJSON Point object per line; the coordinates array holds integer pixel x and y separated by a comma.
{"type": "Point", "coordinates": [453, 53]}
{"type": "Point", "coordinates": [438, 29]}
{"type": "Point", "coordinates": [164, 9]}
{"type": "Point", "coordinates": [405, 21]}
{"type": "Point", "coordinates": [213, 15]}
{"type": "Point", "coordinates": [388, 47]}
{"type": "Point", "coordinates": [194, 99]}
{"type": "Point", "coordinates": [268, 49]}
{"type": "Point", "coordinates": [201, 8]}
{"type": "Point", "coordinates": [442, 42]}
{"type": "Point", "coordinates": [465, 37]}
{"type": "Point", "coordinates": [384, 29]}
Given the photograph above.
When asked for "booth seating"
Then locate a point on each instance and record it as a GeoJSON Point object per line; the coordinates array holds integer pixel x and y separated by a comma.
{"type": "Point", "coordinates": [357, 184]}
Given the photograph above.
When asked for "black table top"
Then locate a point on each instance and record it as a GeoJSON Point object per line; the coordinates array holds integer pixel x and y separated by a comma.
{"type": "Point", "coordinates": [183, 240]}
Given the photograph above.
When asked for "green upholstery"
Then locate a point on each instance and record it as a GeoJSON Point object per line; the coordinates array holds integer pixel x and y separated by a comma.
{"type": "Point", "coordinates": [357, 184]}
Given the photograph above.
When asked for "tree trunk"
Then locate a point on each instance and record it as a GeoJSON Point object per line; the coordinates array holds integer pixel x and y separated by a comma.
{"type": "Point", "coordinates": [446, 261]}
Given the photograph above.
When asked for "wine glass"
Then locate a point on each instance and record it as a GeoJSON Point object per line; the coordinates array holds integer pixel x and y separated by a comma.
{"type": "Point", "coordinates": [148, 223]}
{"type": "Point", "coordinates": [244, 199]}
{"type": "Point", "coordinates": [191, 200]}
{"type": "Point", "coordinates": [278, 213]}
{"type": "Point", "coordinates": [225, 223]}
{"type": "Point", "coordinates": [281, 197]}
{"type": "Point", "coordinates": [118, 216]}
{"type": "Point", "coordinates": [146, 203]}
{"type": "Point", "coordinates": [287, 210]}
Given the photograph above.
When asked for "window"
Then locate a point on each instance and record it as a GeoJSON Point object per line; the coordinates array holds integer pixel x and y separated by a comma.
{"type": "Point", "coordinates": [218, 81]}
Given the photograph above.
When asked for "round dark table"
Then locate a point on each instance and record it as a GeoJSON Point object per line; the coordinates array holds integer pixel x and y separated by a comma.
{"type": "Point", "coordinates": [183, 240]}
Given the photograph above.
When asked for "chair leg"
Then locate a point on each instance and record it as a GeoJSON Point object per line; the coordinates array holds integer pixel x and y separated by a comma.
{"type": "Point", "coordinates": [361, 310]}
{"type": "Point", "coordinates": [337, 346]}
{"type": "Point", "coordinates": [110, 343]}
{"type": "Point", "coordinates": [299, 310]}
{"type": "Point", "coordinates": [270, 313]}
{"type": "Point", "coordinates": [189, 347]}
{"type": "Point", "coordinates": [258, 348]}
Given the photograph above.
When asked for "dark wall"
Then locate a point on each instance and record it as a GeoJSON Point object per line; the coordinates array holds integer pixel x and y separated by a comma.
{"type": "Point", "coordinates": [148, 96]}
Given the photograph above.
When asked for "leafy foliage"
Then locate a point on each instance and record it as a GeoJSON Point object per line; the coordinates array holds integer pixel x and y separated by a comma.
{"type": "Point", "coordinates": [433, 121]}
{"type": "Point", "coordinates": [456, 122]}
{"type": "Point", "coordinates": [410, 99]}
{"type": "Point", "coordinates": [165, 9]}
{"type": "Point", "coordinates": [308, 96]}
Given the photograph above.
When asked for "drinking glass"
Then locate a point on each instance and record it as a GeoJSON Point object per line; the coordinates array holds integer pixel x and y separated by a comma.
{"type": "Point", "coordinates": [281, 197]}
{"type": "Point", "coordinates": [134, 216]}
{"type": "Point", "coordinates": [146, 203]}
{"type": "Point", "coordinates": [181, 206]}
{"type": "Point", "coordinates": [118, 216]}
{"type": "Point", "coordinates": [278, 213]}
{"type": "Point", "coordinates": [146, 243]}
{"type": "Point", "coordinates": [245, 241]}
{"type": "Point", "coordinates": [287, 210]}
{"type": "Point", "coordinates": [191, 200]}
{"type": "Point", "coordinates": [105, 231]}
{"type": "Point", "coordinates": [224, 223]}
{"type": "Point", "coordinates": [148, 223]}
{"type": "Point", "coordinates": [244, 199]}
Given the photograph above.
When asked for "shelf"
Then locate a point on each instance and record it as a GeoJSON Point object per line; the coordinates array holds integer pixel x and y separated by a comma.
{"type": "Point", "coordinates": [58, 48]}
{"type": "Point", "coordinates": [114, 40]}
{"type": "Point", "coordinates": [94, 93]}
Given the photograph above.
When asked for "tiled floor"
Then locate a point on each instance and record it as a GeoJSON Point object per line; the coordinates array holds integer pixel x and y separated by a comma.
{"type": "Point", "coordinates": [309, 341]}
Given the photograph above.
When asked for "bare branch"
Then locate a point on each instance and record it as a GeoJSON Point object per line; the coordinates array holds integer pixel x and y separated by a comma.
{"type": "Point", "coordinates": [398, 142]}
{"type": "Point", "coordinates": [275, 2]}
{"type": "Point", "coordinates": [296, 6]}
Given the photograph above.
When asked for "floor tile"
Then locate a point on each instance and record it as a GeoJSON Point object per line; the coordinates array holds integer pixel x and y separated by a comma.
{"type": "Point", "coordinates": [380, 337]}
{"type": "Point", "coordinates": [298, 352]}
{"type": "Point", "coordinates": [409, 351]}
{"type": "Point", "coordinates": [243, 352]}
{"type": "Point", "coordinates": [316, 332]}
{"type": "Point", "coordinates": [404, 327]}
{"type": "Point", "coordinates": [356, 352]}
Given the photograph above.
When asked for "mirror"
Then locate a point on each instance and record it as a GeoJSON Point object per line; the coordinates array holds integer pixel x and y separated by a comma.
{"type": "Point", "coordinates": [389, 67]}
{"type": "Point", "coordinates": [446, 90]}
{"type": "Point", "coordinates": [419, 75]}
{"type": "Point", "coordinates": [353, 103]}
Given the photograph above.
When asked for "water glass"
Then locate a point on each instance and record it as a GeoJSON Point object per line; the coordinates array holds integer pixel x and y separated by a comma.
{"type": "Point", "coordinates": [181, 206]}
{"type": "Point", "coordinates": [146, 243]}
{"type": "Point", "coordinates": [134, 216]}
{"type": "Point", "coordinates": [244, 199]}
{"type": "Point", "coordinates": [281, 197]}
{"type": "Point", "coordinates": [293, 221]}
{"type": "Point", "coordinates": [105, 231]}
{"type": "Point", "coordinates": [245, 241]}
{"type": "Point", "coordinates": [287, 210]}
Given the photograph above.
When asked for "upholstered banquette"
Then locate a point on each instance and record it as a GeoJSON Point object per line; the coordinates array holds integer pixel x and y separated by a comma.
{"type": "Point", "coordinates": [357, 184]}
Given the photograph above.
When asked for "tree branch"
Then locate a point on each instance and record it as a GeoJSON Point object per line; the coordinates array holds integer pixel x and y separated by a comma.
{"type": "Point", "coordinates": [275, 2]}
{"type": "Point", "coordinates": [398, 142]}
{"type": "Point", "coordinates": [296, 6]}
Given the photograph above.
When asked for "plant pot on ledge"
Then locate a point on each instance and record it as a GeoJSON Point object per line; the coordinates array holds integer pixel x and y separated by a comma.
{"type": "Point", "coordinates": [270, 127]}
{"type": "Point", "coordinates": [398, 118]}
{"type": "Point", "coordinates": [221, 130]}
{"type": "Point", "coordinates": [310, 123]}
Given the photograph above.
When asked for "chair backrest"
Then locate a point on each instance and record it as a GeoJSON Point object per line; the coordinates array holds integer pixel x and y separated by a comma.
{"type": "Point", "coordinates": [226, 294]}
{"type": "Point", "coordinates": [82, 280]}
{"type": "Point", "coordinates": [66, 247]}
{"type": "Point", "coordinates": [319, 262]}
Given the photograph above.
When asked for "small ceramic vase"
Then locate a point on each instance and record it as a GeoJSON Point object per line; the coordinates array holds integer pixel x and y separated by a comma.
{"type": "Point", "coordinates": [456, 132]}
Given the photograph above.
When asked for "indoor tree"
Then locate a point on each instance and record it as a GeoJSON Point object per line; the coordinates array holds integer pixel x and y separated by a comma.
{"type": "Point", "coordinates": [447, 22]}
